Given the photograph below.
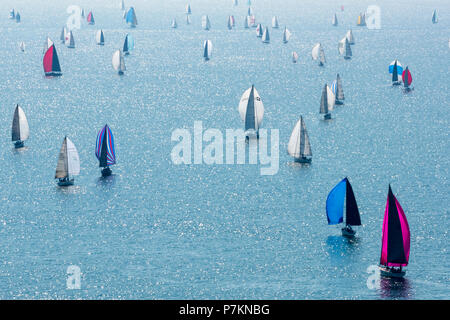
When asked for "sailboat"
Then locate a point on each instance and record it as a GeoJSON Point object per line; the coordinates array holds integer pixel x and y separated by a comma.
{"type": "Point", "coordinates": [235, 3]}
{"type": "Point", "coordinates": [82, 13]}
{"type": "Point", "coordinates": [128, 44]}
{"type": "Point", "coordinates": [230, 23]}
{"type": "Point", "coordinates": [250, 11]}
{"type": "Point", "coordinates": [335, 208]}
{"type": "Point", "coordinates": [100, 37]}
{"type": "Point", "coordinates": [47, 44]}
{"type": "Point", "coordinates": [17, 17]}
{"type": "Point", "coordinates": [265, 36]}
{"type": "Point", "coordinates": [251, 21]}
{"type": "Point", "coordinates": [188, 9]}
{"type": "Point", "coordinates": [22, 46]}
{"type": "Point", "coordinates": [318, 54]}
{"type": "Point", "coordinates": [104, 150]}
{"type": "Point", "coordinates": [174, 24]}
{"type": "Point", "coordinates": [336, 88]}
{"type": "Point", "coordinates": [20, 130]}
{"type": "Point", "coordinates": [118, 62]}
{"type": "Point", "coordinates": [207, 49]}
{"type": "Point", "coordinates": [434, 19]}
{"type": "Point", "coordinates": [12, 14]}
{"type": "Point", "coordinates": [286, 35]}
{"type": "Point", "coordinates": [299, 146]}
{"type": "Point", "coordinates": [350, 37]}
{"type": "Point", "coordinates": [396, 69]}
{"type": "Point", "coordinates": [407, 79]}
{"type": "Point", "coordinates": [247, 22]}
{"type": "Point", "coordinates": [361, 20]}
{"type": "Point", "coordinates": [68, 164]}
{"type": "Point", "coordinates": [251, 110]}
{"type": "Point", "coordinates": [90, 18]}
{"type": "Point", "coordinates": [51, 63]}
{"type": "Point", "coordinates": [188, 19]}
{"type": "Point", "coordinates": [294, 57]}
{"type": "Point", "coordinates": [345, 49]}
{"type": "Point", "coordinates": [205, 23]}
{"type": "Point", "coordinates": [62, 37]}
{"type": "Point", "coordinates": [131, 19]}
{"type": "Point", "coordinates": [70, 42]}
{"type": "Point", "coordinates": [334, 22]}
{"type": "Point", "coordinates": [259, 30]}
{"type": "Point", "coordinates": [395, 244]}
{"type": "Point", "coordinates": [122, 5]}
{"type": "Point", "coordinates": [275, 22]}
{"type": "Point", "coordinates": [324, 104]}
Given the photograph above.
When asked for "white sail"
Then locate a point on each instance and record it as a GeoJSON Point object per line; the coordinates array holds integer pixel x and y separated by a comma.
{"type": "Point", "coordinates": [122, 5]}
{"type": "Point", "coordinates": [174, 23]}
{"type": "Point", "coordinates": [20, 129]}
{"type": "Point", "coordinates": [73, 160]}
{"type": "Point", "coordinates": [266, 36]}
{"type": "Point", "coordinates": [341, 46]}
{"type": "Point", "coordinates": [286, 35]}
{"type": "Point", "coordinates": [22, 46]}
{"type": "Point", "coordinates": [188, 19]}
{"type": "Point", "coordinates": [331, 98]}
{"type": "Point", "coordinates": [70, 42]}
{"type": "Point", "coordinates": [99, 37]}
{"type": "Point", "coordinates": [334, 22]}
{"type": "Point", "coordinates": [275, 22]}
{"type": "Point", "coordinates": [318, 53]}
{"type": "Point", "coordinates": [205, 23]}
{"type": "Point", "coordinates": [299, 145]}
{"type": "Point", "coordinates": [48, 43]}
{"type": "Point", "coordinates": [258, 105]}
{"type": "Point", "coordinates": [350, 37]}
{"type": "Point", "coordinates": [294, 57]}
{"type": "Point", "coordinates": [118, 61]}
{"type": "Point", "coordinates": [207, 49]}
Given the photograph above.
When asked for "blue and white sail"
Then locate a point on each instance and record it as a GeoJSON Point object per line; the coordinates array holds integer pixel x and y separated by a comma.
{"type": "Point", "coordinates": [131, 18]}
{"type": "Point", "coordinates": [205, 23]}
{"type": "Point", "coordinates": [399, 67]}
{"type": "Point", "coordinates": [128, 44]}
{"type": "Point", "coordinates": [340, 194]}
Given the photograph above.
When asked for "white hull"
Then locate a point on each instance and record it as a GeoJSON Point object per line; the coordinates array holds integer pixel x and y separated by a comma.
{"type": "Point", "coordinates": [385, 272]}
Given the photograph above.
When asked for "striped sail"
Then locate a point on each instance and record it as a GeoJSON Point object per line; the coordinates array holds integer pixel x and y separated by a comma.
{"type": "Point", "coordinates": [104, 147]}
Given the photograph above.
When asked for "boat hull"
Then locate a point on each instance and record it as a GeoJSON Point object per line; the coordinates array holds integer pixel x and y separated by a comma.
{"type": "Point", "coordinates": [106, 172]}
{"type": "Point", "coordinates": [18, 144]}
{"type": "Point", "coordinates": [385, 272]}
{"type": "Point", "coordinates": [66, 183]}
{"type": "Point", "coordinates": [348, 233]}
{"type": "Point", "coordinates": [339, 102]}
{"type": "Point", "coordinates": [303, 160]}
{"type": "Point", "coordinates": [53, 74]}
{"type": "Point", "coordinates": [327, 116]}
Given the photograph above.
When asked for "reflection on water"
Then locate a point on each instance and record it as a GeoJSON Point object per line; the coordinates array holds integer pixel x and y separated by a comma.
{"type": "Point", "coordinates": [106, 181]}
{"type": "Point", "coordinates": [395, 288]}
{"type": "Point", "coordinates": [340, 248]}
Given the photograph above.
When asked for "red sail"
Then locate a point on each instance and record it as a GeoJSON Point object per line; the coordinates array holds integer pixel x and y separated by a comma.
{"type": "Point", "coordinates": [407, 79]}
{"type": "Point", "coordinates": [89, 17]}
{"type": "Point", "coordinates": [48, 59]}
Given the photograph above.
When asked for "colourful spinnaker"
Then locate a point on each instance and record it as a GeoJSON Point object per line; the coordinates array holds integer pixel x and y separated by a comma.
{"type": "Point", "coordinates": [51, 62]}
{"type": "Point", "coordinates": [335, 205]}
{"type": "Point", "coordinates": [396, 235]}
{"type": "Point", "coordinates": [104, 147]}
{"type": "Point", "coordinates": [407, 78]}
{"type": "Point", "coordinates": [90, 18]}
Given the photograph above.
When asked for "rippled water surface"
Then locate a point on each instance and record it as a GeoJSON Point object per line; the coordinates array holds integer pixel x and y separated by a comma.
{"type": "Point", "coordinates": [162, 231]}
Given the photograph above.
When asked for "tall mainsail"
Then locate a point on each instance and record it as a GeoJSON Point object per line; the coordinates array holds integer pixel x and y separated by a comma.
{"type": "Point", "coordinates": [350, 37]}
{"type": "Point", "coordinates": [318, 54]}
{"type": "Point", "coordinates": [205, 23]}
{"type": "Point", "coordinates": [118, 62]}
{"type": "Point", "coordinates": [131, 19]}
{"type": "Point", "coordinates": [324, 101]}
{"type": "Point", "coordinates": [275, 24]}
{"type": "Point", "coordinates": [251, 109]}
{"type": "Point", "coordinates": [207, 49]}
{"type": "Point", "coordinates": [51, 62]}
{"type": "Point", "coordinates": [299, 145]}
{"type": "Point", "coordinates": [286, 35]}
{"type": "Point", "coordinates": [20, 130]}
{"type": "Point", "coordinates": [100, 38]}
{"type": "Point", "coordinates": [335, 205]}
{"type": "Point", "coordinates": [339, 89]}
{"type": "Point", "coordinates": [265, 36]}
{"type": "Point", "coordinates": [434, 19]}
{"type": "Point", "coordinates": [68, 161]}
{"type": "Point", "coordinates": [334, 22]}
{"type": "Point", "coordinates": [70, 41]}
{"type": "Point", "coordinates": [104, 147]}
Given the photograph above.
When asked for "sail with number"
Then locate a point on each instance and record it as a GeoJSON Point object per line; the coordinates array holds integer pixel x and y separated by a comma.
{"type": "Point", "coordinates": [251, 109]}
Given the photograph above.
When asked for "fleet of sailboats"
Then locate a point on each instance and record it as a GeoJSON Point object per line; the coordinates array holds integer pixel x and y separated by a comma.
{"type": "Point", "coordinates": [68, 164]}
{"type": "Point", "coordinates": [20, 130]}
{"type": "Point", "coordinates": [299, 146]}
{"type": "Point", "coordinates": [251, 110]}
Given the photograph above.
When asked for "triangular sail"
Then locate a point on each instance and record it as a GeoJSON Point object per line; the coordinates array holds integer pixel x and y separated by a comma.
{"type": "Point", "coordinates": [73, 160]}
{"type": "Point", "coordinates": [407, 78]}
{"type": "Point", "coordinates": [331, 99]}
{"type": "Point", "coordinates": [348, 49]}
{"type": "Point", "coordinates": [51, 62]}
{"type": "Point", "coordinates": [20, 130]}
{"type": "Point", "coordinates": [299, 146]}
{"type": "Point", "coordinates": [62, 170]}
{"type": "Point", "coordinates": [275, 22]}
{"type": "Point", "coordinates": [324, 101]}
{"type": "Point", "coordinates": [334, 22]}
{"type": "Point", "coordinates": [251, 99]}
{"type": "Point", "coordinates": [286, 35]}
{"type": "Point", "coordinates": [395, 72]}
{"type": "Point", "coordinates": [104, 147]}
{"type": "Point", "coordinates": [131, 17]}
{"type": "Point", "coordinates": [339, 89]}
{"type": "Point", "coordinates": [350, 37]}
{"type": "Point", "coordinates": [352, 216]}
{"type": "Point", "coordinates": [207, 49]}
{"type": "Point", "coordinates": [205, 23]}
{"type": "Point", "coordinates": [100, 37]}
{"type": "Point", "coordinates": [266, 36]}
{"type": "Point", "coordinates": [90, 18]}
{"type": "Point", "coordinates": [250, 121]}
{"type": "Point", "coordinates": [434, 19]}
{"type": "Point", "coordinates": [335, 203]}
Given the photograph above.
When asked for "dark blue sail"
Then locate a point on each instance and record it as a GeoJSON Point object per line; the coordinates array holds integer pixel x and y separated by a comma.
{"type": "Point", "coordinates": [250, 121]}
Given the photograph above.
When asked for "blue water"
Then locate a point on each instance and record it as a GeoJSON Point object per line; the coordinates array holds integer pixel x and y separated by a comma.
{"type": "Point", "coordinates": [157, 230]}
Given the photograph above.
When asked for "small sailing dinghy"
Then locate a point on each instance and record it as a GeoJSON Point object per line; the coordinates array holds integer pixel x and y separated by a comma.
{"type": "Point", "coordinates": [345, 49]}
{"type": "Point", "coordinates": [434, 19]}
{"type": "Point", "coordinates": [62, 37]}
{"type": "Point", "coordinates": [51, 63]}
{"type": "Point", "coordinates": [335, 208]}
{"type": "Point", "coordinates": [188, 19]}
{"type": "Point", "coordinates": [206, 25]}
{"type": "Point", "coordinates": [20, 130]}
{"type": "Point", "coordinates": [17, 17]}
{"type": "Point", "coordinates": [22, 46]}
{"type": "Point", "coordinates": [395, 244]}
{"type": "Point", "coordinates": [396, 69]}
{"type": "Point", "coordinates": [100, 38]}
{"type": "Point", "coordinates": [294, 57]}
{"type": "Point", "coordinates": [334, 22]}
{"type": "Point", "coordinates": [207, 49]}
{"type": "Point", "coordinates": [188, 9]}
{"type": "Point", "coordinates": [325, 104]}
{"type": "Point", "coordinates": [349, 36]}
{"type": "Point", "coordinates": [259, 30]}
{"type": "Point", "coordinates": [90, 18]}
{"type": "Point", "coordinates": [131, 19]}
{"type": "Point", "coordinates": [361, 20]}
{"type": "Point", "coordinates": [266, 36]}
{"type": "Point", "coordinates": [128, 44]}
{"type": "Point", "coordinates": [407, 79]}
{"type": "Point", "coordinates": [104, 150]}
{"type": "Point", "coordinates": [47, 44]}
{"type": "Point", "coordinates": [12, 14]}
{"type": "Point", "coordinates": [275, 24]}
{"type": "Point", "coordinates": [68, 164]}
{"type": "Point", "coordinates": [318, 54]}
{"type": "Point", "coordinates": [251, 110]}
{"type": "Point", "coordinates": [286, 35]}
{"type": "Point", "coordinates": [174, 23]}
{"type": "Point", "coordinates": [336, 88]}
{"type": "Point", "coordinates": [299, 146]}
{"type": "Point", "coordinates": [118, 62]}
{"type": "Point", "coordinates": [230, 23]}
{"type": "Point", "coordinates": [70, 41]}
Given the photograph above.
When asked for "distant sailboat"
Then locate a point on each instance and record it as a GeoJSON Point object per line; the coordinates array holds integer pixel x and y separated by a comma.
{"type": "Point", "coordinates": [247, 23]}
{"type": "Point", "coordinates": [235, 3]}
{"type": "Point", "coordinates": [207, 49]}
{"type": "Point", "coordinates": [105, 151]}
{"type": "Point", "coordinates": [62, 37]}
{"type": "Point", "coordinates": [12, 14]}
{"type": "Point", "coordinates": [259, 30]}
{"type": "Point", "coordinates": [70, 42]}
{"type": "Point", "coordinates": [396, 69]}
{"type": "Point", "coordinates": [205, 23]}
{"type": "Point", "coordinates": [128, 44]}
{"type": "Point", "coordinates": [407, 79]}
{"type": "Point", "coordinates": [350, 37]}
{"type": "Point", "coordinates": [434, 19]}
{"type": "Point", "coordinates": [286, 35]}
{"type": "Point", "coordinates": [47, 44]}
{"type": "Point", "coordinates": [90, 18]}
{"type": "Point", "coordinates": [395, 244]}
{"type": "Point", "coordinates": [82, 13]}
{"type": "Point", "coordinates": [361, 20]}
{"type": "Point", "coordinates": [336, 88]}
{"type": "Point", "coordinates": [68, 163]}
{"type": "Point", "coordinates": [188, 9]}
{"type": "Point", "coordinates": [22, 46]}
{"type": "Point", "coordinates": [251, 21]}
{"type": "Point", "coordinates": [250, 11]}
{"type": "Point", "coordinates": [118, 62]}
{"type": "Point", "coordinates": [335, 208]}
{"type": "Point", "coordinates": [251, 110]}
{"type": "Point", "coordinates": [299, 146]}
{"type": "Point", "coordinates": [294, 57]}
{"type": "Point", "coordinates": [230, 23]}
{"type": "Point", "coordinates": [20, 130]}
{"type": "Point", "coordinates": [174, 24]}
{"type": "Point", "coordinates": [266, 36]}
{"type": "Point", "coordinates": [318, 54]}
{"type": "Point", "coordinates": [345, 49]}
{"type": "Point", "coordinates": [334, 22]}
{"type": "Point", "coordinates": [100, 38]}
{"type": "Point", "coordinates": [131, 19]}
{"type": "Point", "coordinates": [122, 5]}
{"type": "Point", "coordinates": [275, 24]}
{"type": "Point", "coordinates": [188, 19]}
{"type": "Point", "coordinates": [17, 17]}
{"type": "Point", "coordinates": [324, 104]}
{"type": "Point", "coordinates": [51, 63]}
